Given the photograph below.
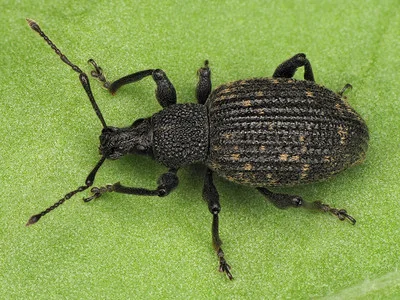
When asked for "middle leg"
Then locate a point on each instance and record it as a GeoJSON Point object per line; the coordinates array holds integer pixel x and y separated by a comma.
{"type": "Point", "coordinates": [203, 88]}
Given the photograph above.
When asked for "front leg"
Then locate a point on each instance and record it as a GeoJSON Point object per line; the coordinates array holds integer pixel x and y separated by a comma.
{"type": "Point", "coordinates": [210, 195]}
{"type": "Point", "coordinates": [166, 183]}
{"type": "Point", "coordinates": [165, 91]}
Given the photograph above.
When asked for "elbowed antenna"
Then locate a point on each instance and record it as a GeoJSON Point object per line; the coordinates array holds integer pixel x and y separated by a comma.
{"type": "Point", "coordinates": [85, 83]}
{"type": "Point", "coordinates": [82, 76]}
{"type": "Point", "coordinates": [88, 183]}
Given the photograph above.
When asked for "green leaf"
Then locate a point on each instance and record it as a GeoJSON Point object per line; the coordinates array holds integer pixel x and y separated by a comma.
{"type": "Point", "coordinates": [121, 246]}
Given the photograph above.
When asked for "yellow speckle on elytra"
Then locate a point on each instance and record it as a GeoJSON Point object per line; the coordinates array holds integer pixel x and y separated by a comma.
{"type": "Point", "coordinates": [343, 133]}
{"type": "Point", "coordinates": [221, 98]}
{"type": "Point", "coordinates": [235, 156]}
{"type": "Point", "coordinates": [248, 167]}
{"type": "Point", "coordinates": [283, 157]}
{"type": "Point", "coordinates": [338, 107]}
{"type": "Point", "coordinates": [304, 171]}
{"type": "Point", "coordinates": [246, 103]}
{"type": "Point", "coordinates": [230, 178]}
{"type": "Point", "coordinates": [309, 94]}
{"type": "Point", "coordinates": [260, 111]}
{"type": "Point", "coordinates": [227, 135]}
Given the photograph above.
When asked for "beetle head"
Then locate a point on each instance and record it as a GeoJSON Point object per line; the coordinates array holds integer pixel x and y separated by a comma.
{"type": "Point", "coordinates": [116, 142]}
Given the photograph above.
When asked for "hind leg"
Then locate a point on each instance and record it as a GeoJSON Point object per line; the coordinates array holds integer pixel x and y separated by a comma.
{"type": "Point", "coordinates": [283, 201]}
{"type": "Point", "coordinates": [289, 67]}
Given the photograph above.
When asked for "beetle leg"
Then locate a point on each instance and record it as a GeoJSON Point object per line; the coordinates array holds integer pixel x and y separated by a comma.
{"type": "Point", "coordinates": [283, 201]}
{"type": "Point", "coordinates": [98, 73]}
{"type": "Point", "coordinates": [203, 88]}
{"type": "Point", "coordinates": [210, 195]}
{"type": "Point", "coordinates": [166, 183]}
{"type": "Point", "coordinates": [348, 86]}
{"type": "Point", "coordinates": [165, 91]}
{"type": "Point", "coordinates": [289, 67]}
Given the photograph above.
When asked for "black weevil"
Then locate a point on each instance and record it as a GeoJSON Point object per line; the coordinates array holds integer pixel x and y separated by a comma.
{"type": "Point", "coordinates": [259, 132]}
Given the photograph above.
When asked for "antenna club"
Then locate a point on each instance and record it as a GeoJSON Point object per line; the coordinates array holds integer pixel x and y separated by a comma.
{"type": "Point", "coordinates": [33, 219]}
{"type": "Point", "coordinates": [32, 24]}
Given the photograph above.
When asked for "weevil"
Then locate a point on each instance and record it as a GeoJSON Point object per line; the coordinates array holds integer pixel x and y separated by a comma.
{"type": "Point", "coordinates": [259, 132]}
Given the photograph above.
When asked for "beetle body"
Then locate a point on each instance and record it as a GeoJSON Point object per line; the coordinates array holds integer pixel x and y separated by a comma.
{"type": "Point", "coordinates": [263, 132]}
{"type": "Point", "coordinates": [282, 132]}
{"type": "Point", "coordinates": [259, 132]}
